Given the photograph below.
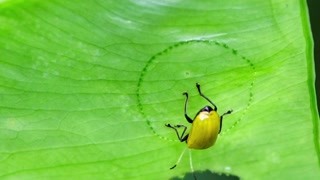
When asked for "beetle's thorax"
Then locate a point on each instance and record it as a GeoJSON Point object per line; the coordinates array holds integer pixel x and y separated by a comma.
{"type": "Point", "coordinates": [203, 115]}
{"type": "Point", "coordinates": [205, 112]}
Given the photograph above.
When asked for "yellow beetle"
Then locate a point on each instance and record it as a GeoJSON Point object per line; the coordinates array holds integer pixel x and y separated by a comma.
{"type": "Point", "coordinates": [205, 127]}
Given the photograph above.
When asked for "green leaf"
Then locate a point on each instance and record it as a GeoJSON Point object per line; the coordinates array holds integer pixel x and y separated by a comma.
{"type": "Point", "coordinates": [86, 88]}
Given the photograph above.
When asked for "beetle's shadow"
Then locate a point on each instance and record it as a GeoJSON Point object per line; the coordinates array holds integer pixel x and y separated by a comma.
{"type": "Point", "coordinates": [204, 175]}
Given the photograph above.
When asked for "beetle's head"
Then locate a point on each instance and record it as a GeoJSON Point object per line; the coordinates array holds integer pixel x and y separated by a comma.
{"type": "Point", "coordinates": [207, 109]}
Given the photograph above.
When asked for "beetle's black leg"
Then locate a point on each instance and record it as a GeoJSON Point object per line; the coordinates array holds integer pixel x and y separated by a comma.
{"type": "Point", "coordinates": [214, 106]}
{"type": "Point", "coordinates": [181, 137]}
{"type": "Point", "coordinates": [185, 108]}
{"type": "Point", "coordinates": [221, 117]}
{"type": "Point", "coordinates": [185, 138]}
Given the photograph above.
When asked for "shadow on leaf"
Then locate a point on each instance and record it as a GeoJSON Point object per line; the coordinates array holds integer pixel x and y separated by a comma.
{"type": "Point", "coordinates": [204, 175]}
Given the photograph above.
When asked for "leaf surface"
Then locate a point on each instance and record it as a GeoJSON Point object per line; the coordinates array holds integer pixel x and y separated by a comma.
{"type": "Point", "coordinates": [86, 88]}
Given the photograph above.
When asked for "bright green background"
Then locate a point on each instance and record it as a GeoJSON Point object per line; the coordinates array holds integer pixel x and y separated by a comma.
{"type": "Point", "coordinates": [86, 88]}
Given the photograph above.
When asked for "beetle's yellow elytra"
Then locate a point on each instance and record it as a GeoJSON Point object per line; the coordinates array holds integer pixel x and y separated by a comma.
{"type": "Point", "coordinates": [204, 130]}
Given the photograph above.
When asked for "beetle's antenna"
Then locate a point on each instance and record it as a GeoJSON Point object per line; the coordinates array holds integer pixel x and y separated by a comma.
{"type": "Point", "coordinates": [191, 164]}
{"type": "Point", "coordinates": [198, 87]}
{"type": "Point", "coordinates": [179, 158]}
